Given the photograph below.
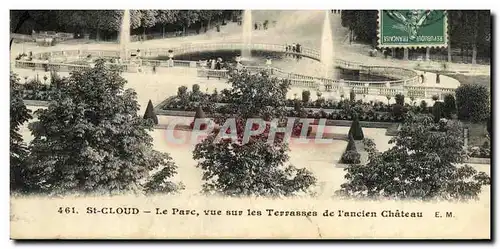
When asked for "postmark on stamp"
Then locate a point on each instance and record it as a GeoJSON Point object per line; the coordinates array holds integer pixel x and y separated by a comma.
{"type": "Point", "coordinates": [412, 28]}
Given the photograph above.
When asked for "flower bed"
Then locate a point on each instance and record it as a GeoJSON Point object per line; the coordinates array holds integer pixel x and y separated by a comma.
{"type": "Point", "coordinates": [35, 90]}
{"type": "Point", "coordinates": [327, 109]}
{"type": "Point", "coordinates": [479, 152]}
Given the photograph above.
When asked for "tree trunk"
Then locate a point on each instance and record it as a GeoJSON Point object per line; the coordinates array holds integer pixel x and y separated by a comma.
{"type": "Point", "coordinates": [208, 25]}
{"type": "Point", "coordinates": [144, 33]}
{"type": "Point", "coordinates": [474, 53]}
{"type": "Point", "coordinates": [462, 51]}
{"type": "Point", "coordinates": [467, 54]}
{"type": "Point", "coordinates": [163, 31]}
{"type": "Point", "coordinates": [474, 38]}
{"type": "Point", "coordinates": [184, 30]}
{"type": "Point", "coordinates": [427, 54]}
{"type": "Point", "coordinates": [449, 51]}
{"type": "Point", "coordinates": [97, 34]}
{"type": "Point", "coordinates": [405, 54]}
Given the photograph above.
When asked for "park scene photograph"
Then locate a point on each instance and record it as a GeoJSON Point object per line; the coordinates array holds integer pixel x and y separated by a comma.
{"type": "Point", "coordinates": [292, 120]}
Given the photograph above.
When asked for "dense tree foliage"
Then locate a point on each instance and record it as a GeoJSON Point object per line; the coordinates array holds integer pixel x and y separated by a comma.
{"type": "Point", "coordinates": [423, 164]}
{"type": "Point", "coordinates": [19, 114]}
{"type": "Point", "coordinates": [473, 102]}
{"type": "Point", "coordinates": [109, 21]}
{"type": "Point", "coordinates": [437, 111]}
{"type": "Point", "coordinates": [450, 107]}
{"type": "Point", "coordinates": [257, 167]}
{"type": "Point", "coordinates": [90, 139]}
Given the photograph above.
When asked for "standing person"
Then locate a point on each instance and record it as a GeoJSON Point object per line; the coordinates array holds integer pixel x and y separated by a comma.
{"type": "Point", "coordinates": [294, 49]}
{"type": "Point", "coordinates": [422, 77]}
{"type": "Point", "coordinates": [298, 51]}
{"type": "Point", "coordinates": [438, 80]}
{"type": "Point", "coordinates": [255, 26]}
{"type": "Point", "coordinates": [154, 69]}
{"type": "Point", "coordinates": [212, 64]}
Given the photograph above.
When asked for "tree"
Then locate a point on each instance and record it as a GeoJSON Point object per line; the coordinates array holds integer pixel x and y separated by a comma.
{"type": "Point", "coordinates": [362, 24]}
{"type": "Point", "coordinates": [398, 111]}
{"type": "Point", "coordinates": [488, 125]}
{"type": "Point", "coordinates": [351, 145]}
{"type": "Point", "coordinates": [206, 16]}
{"type": "Point", "coordinates": [98, 20]}
{"type": "Point", "coordinates": [199, 114]}
{"type": "Point", "coordinates": [423, 106]}
{"type": "Point", "coordinates": [449, 107]}
{"type": "Point", "coordinates": [257, 95]}
{"type": "Point", "coordinates": [257, 167]}
{"type": "Point", "coordinates": [150, 113]}
{"type": "Point", "coordinates": [188, 17]}
{"type": "Point", "coordinates": [148, 19]}
{"type": "Point", "coordinates": [306, 96]}
{"type": "Point", "coordinates": [165, 17]}
{"type": "Point", "coordinates": [422, 164]}
{"type": "Point", "coordinates": [355, 131]}
{"type": "Point", "coordinates": [350, 155]}
{"type": "Point", "coordinates": [182, 91]}
{"type": "Point", "coordinates": [135, 19]}
{"type": "Point", "coordinates": [400, 99]}
{"type": "Point", "coordinates": [90, 139]}
{"type": "Point", "coordinates": [196, 89]}
{"type": "Point", "coordinates": [473, 102]}
{"type": "Point", "coordinates": [437, 111]}
{"type": "Point", "coordinates": [19, 114]}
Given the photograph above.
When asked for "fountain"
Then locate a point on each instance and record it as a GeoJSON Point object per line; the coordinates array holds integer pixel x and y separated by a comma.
{"type": "Point", "coordinates": [247, 35]}
{"type": "Point", "coordinates": [327, 52]}
{"type": "Point", "coordinates": [124, 35]}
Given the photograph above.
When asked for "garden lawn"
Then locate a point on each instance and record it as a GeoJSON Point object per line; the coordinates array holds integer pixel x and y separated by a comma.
{"type": "Point", "coordinates": [484, 80]}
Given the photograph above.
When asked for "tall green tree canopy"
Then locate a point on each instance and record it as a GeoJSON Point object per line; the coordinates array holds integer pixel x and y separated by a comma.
{"type": "Point", "coordinates": [423, 164]}
{"type": "Point", "coordinates": [90, 139]}
{"type": "Point", "coordinates": [19, 114]}
{"type": "Point", "coordinates": [255, 168]}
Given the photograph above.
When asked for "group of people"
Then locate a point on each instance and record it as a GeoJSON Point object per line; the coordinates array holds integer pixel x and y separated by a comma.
{"type": "Point", "coordinates": [294, 48]}
{"type": "Point", "coordinates": [214, 64]}
{"type": "Point", "coordinates": [262, 25]}
{"type": "Point", "coordinates": [422, 78]}
{"type": "Point", "coordinates": [24, 56]}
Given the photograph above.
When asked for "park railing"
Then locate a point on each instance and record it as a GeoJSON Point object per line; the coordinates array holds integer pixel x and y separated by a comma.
{"type": "Point", "coordinates": [407, 76]}
{"type": "Point", "coordinates": [342, 86]}
{"type": "Point", "coordinates": [385, 88]}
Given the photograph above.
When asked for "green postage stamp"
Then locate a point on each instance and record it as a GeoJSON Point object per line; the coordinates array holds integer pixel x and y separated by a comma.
{"type": "Point", "coordinates": [412, 28]}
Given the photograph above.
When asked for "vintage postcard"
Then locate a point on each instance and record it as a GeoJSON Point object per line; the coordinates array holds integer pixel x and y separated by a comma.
{"type": "Point", "coordinates": [250, 124]}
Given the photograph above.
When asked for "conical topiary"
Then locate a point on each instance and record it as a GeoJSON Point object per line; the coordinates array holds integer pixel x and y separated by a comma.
{"type": "Point", "coordinates": [150, 113]}
{"type": "Point", "coordinates": [199, 113]}
{"type": "Point", "coordinates": [350, 155]}
{"type": "Point", "coordinates": [351, 146]}
{"type": "Point", "coordinates": [355, 130]}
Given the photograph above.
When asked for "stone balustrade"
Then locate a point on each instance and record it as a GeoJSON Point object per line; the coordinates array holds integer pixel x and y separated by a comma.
{"type": "Point", "coordinates": [408, 85]}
